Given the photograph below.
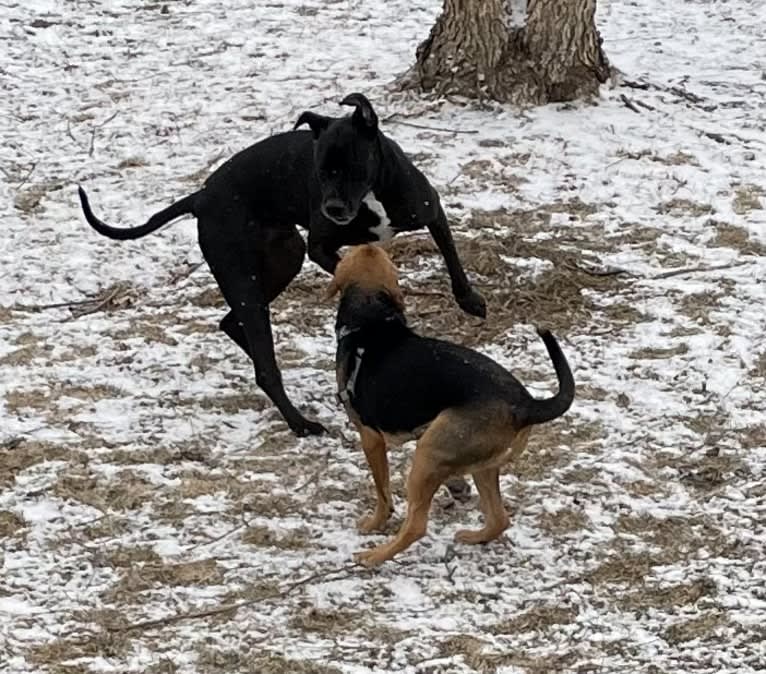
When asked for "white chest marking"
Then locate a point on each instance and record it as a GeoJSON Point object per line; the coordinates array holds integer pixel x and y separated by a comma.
{"type": "Point", "coordinates": [383, 230]}
{"type": "Point", "coordinates": [351, 383]}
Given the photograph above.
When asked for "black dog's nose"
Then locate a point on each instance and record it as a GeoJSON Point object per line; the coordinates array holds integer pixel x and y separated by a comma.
{"type": "Point", "coordinates": [335, 209]}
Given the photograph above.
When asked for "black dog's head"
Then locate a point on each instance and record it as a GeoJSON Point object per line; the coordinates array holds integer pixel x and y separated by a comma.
{"type": "Point", "coordinates": [347, 155]}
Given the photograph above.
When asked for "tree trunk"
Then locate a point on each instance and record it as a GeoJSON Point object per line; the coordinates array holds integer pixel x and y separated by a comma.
{"type": "Point", "coordinates": [514, 51]}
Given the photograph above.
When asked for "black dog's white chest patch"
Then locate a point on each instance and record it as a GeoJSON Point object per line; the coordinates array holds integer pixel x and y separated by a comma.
{"type": "Point", "coordinates": [383, 230]}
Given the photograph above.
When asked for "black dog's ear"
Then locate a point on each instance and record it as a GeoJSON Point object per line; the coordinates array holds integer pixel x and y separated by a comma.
{"type": "Point", "coordinates": [364, 116]}
{"type": "Point", "coordinates": [317, 123]}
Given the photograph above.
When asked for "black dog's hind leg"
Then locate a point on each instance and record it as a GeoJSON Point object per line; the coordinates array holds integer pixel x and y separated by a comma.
{"type": "Point", "coordinates": [253, 266]}
{"type": "Point", "coordinates": [285, 261]}
{"type": "Point", "coordinates": [467, 298]}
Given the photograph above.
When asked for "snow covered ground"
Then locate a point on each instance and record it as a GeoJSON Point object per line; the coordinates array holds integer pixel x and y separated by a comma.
{"type": "Point", "coordinates": [156, 516]}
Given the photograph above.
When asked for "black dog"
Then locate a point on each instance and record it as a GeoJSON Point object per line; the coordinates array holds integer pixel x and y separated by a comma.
{"type": "Point", "coordinates": [344, 181]}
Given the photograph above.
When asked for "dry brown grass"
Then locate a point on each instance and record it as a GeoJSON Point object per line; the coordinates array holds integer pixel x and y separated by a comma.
{"type": "Point", "coordinates": [537, 619]}
{"type": "Point", "coordinates": [678, 207]}
{"type": "Point", "coordinates": [18, 454]}
{"type": "Point", "coordinates": [736, 237]}
{"type": "Point", "coordinates": [747, 198]}
{"type": "Point", "coordinates": [126, 490]}
{"type": "Point", "coordinates": [139, 578]}
{"type": "Point", "coordinates": [10, 524]}
{"type": "Point", "coordinates": [667, 598]}
{"type": "Point", "coordinates": [698, 627]}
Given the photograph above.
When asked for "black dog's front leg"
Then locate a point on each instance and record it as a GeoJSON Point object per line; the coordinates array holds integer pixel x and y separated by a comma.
{"type": "Point", "coordinates": [324, 252]}
{"type": "Point", "coordinates": [467, 298]}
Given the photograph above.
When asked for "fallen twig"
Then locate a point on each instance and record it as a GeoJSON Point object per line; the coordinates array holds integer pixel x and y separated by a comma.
{"type": "Point", "coordinates": [694, 270]}
{"type": "Point", "coordinates": [343, 571]}
{"type": "Point", "coordinates": [99, 304]}
{"type": "Point", "coordinates": [392, 118]}
{"type": "Point", "coordinates": [629, 104]}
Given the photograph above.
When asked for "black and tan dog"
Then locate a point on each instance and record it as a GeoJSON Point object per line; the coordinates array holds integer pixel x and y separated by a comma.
{"type": "Point", "coordinates": [344, 181]}
{"type": "Point", "coordinates": [470, 415]}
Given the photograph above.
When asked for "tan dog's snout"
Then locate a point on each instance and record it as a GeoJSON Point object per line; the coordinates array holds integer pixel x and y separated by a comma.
{"type": "Point", "coordinates": [368, 267]}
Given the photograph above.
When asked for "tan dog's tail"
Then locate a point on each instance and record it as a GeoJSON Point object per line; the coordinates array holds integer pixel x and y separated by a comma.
{"type": "Point", "coordinates": [540, 411]}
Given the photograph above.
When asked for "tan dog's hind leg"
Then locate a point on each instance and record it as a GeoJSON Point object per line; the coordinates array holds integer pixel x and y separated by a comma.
{"type": "Point", "coordinates": [374, 445]}
{"type": "Point", "coordinates": [496, 519]}
{"type": "Point", "coordinates": [424, 479]}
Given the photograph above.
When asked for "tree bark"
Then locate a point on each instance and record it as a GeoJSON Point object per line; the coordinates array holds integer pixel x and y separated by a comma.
{"type": "Point", "coordinates": [533, 52]}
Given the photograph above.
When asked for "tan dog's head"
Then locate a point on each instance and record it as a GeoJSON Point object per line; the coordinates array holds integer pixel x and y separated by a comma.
{"type": "Point", "coordinates": [369, 268]}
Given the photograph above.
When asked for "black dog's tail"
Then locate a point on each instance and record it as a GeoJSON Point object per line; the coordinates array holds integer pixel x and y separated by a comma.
{"type": "Point", "coordinates": [540, 411]}
{"type": "Point", "coordinates": [185, 205]}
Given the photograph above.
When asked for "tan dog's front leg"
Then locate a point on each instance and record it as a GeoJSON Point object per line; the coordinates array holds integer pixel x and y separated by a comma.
{"type": "Point", "coordinates": [374, 445]}
{"type": "Point", "coordinates": [422, 484]}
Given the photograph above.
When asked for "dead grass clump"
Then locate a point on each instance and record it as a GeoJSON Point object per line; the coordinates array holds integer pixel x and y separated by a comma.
{"type": "Point", "coordinates": [228, 404]}
{"type": "Point", "coordinates": [684, 207]}
{"type": "Point", "coordinates": [676, 538]}
{"type": "Point", "coordinates": [747, 198]}
{"type": "Point", "coordinates": [18, 454]}
{"type": "Point", "coordinates": [700, 627]}
{"type": "Point", "coordinates": [128, 557]}
{"type": "Point", "coordinates": [125, 491]}
{"type": "Point", "coordinates": [104, 644]}
{"type": "Point", "coordinates": [628, 568]}
{"type": "Point", "coordinates": [667, 598]}
{"type": "Point", "coordinates": [10, 524]}
{"type": "Point", "coordinates": [209, 297]}
{"type": "Point", "coordinates": [736, 237]}
{"type": "Point", "coordinates": [474, 654]}
{"type": "Point", "coordinates": [18, 400]}
{"type": "Point", "coordinates": [256, 660]}
{"type": "Point", "coordinates": [327, 621]}
{"type": "Point", "coordinates": [140, 578]}
{"type": "Point", "coordinates": [551, 446]}
{"type": "Point", "coordinates": [659, 353]}
{"type": "Point", "coordinates": [712, 469]}
{"type": "Point", "coordinates": [291, 539]}
{"type": "Point", "coordinates": [537, 619]}
{"type": "Point", "coordinates": [562, 522]}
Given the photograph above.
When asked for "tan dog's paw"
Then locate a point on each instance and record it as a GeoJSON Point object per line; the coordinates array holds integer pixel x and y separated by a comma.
{"type": "Point", "coordinates": [475, 536]}
{"type": "Point", "coordinates": [370, 558]}
{"type": "Point", "coordinates": [372, 523]}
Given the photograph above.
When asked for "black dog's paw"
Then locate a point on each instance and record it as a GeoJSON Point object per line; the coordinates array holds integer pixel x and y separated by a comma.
{"type": "Point", "coordinates": [306, 427]}
{"type": "Point", "coordinates": [473, 304]}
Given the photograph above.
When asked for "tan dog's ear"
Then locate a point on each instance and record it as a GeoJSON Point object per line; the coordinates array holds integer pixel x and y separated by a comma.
{"type": "Point", "coordinates": [398, 297]}
{"type": "Point", "coordinates": [332, 290]}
